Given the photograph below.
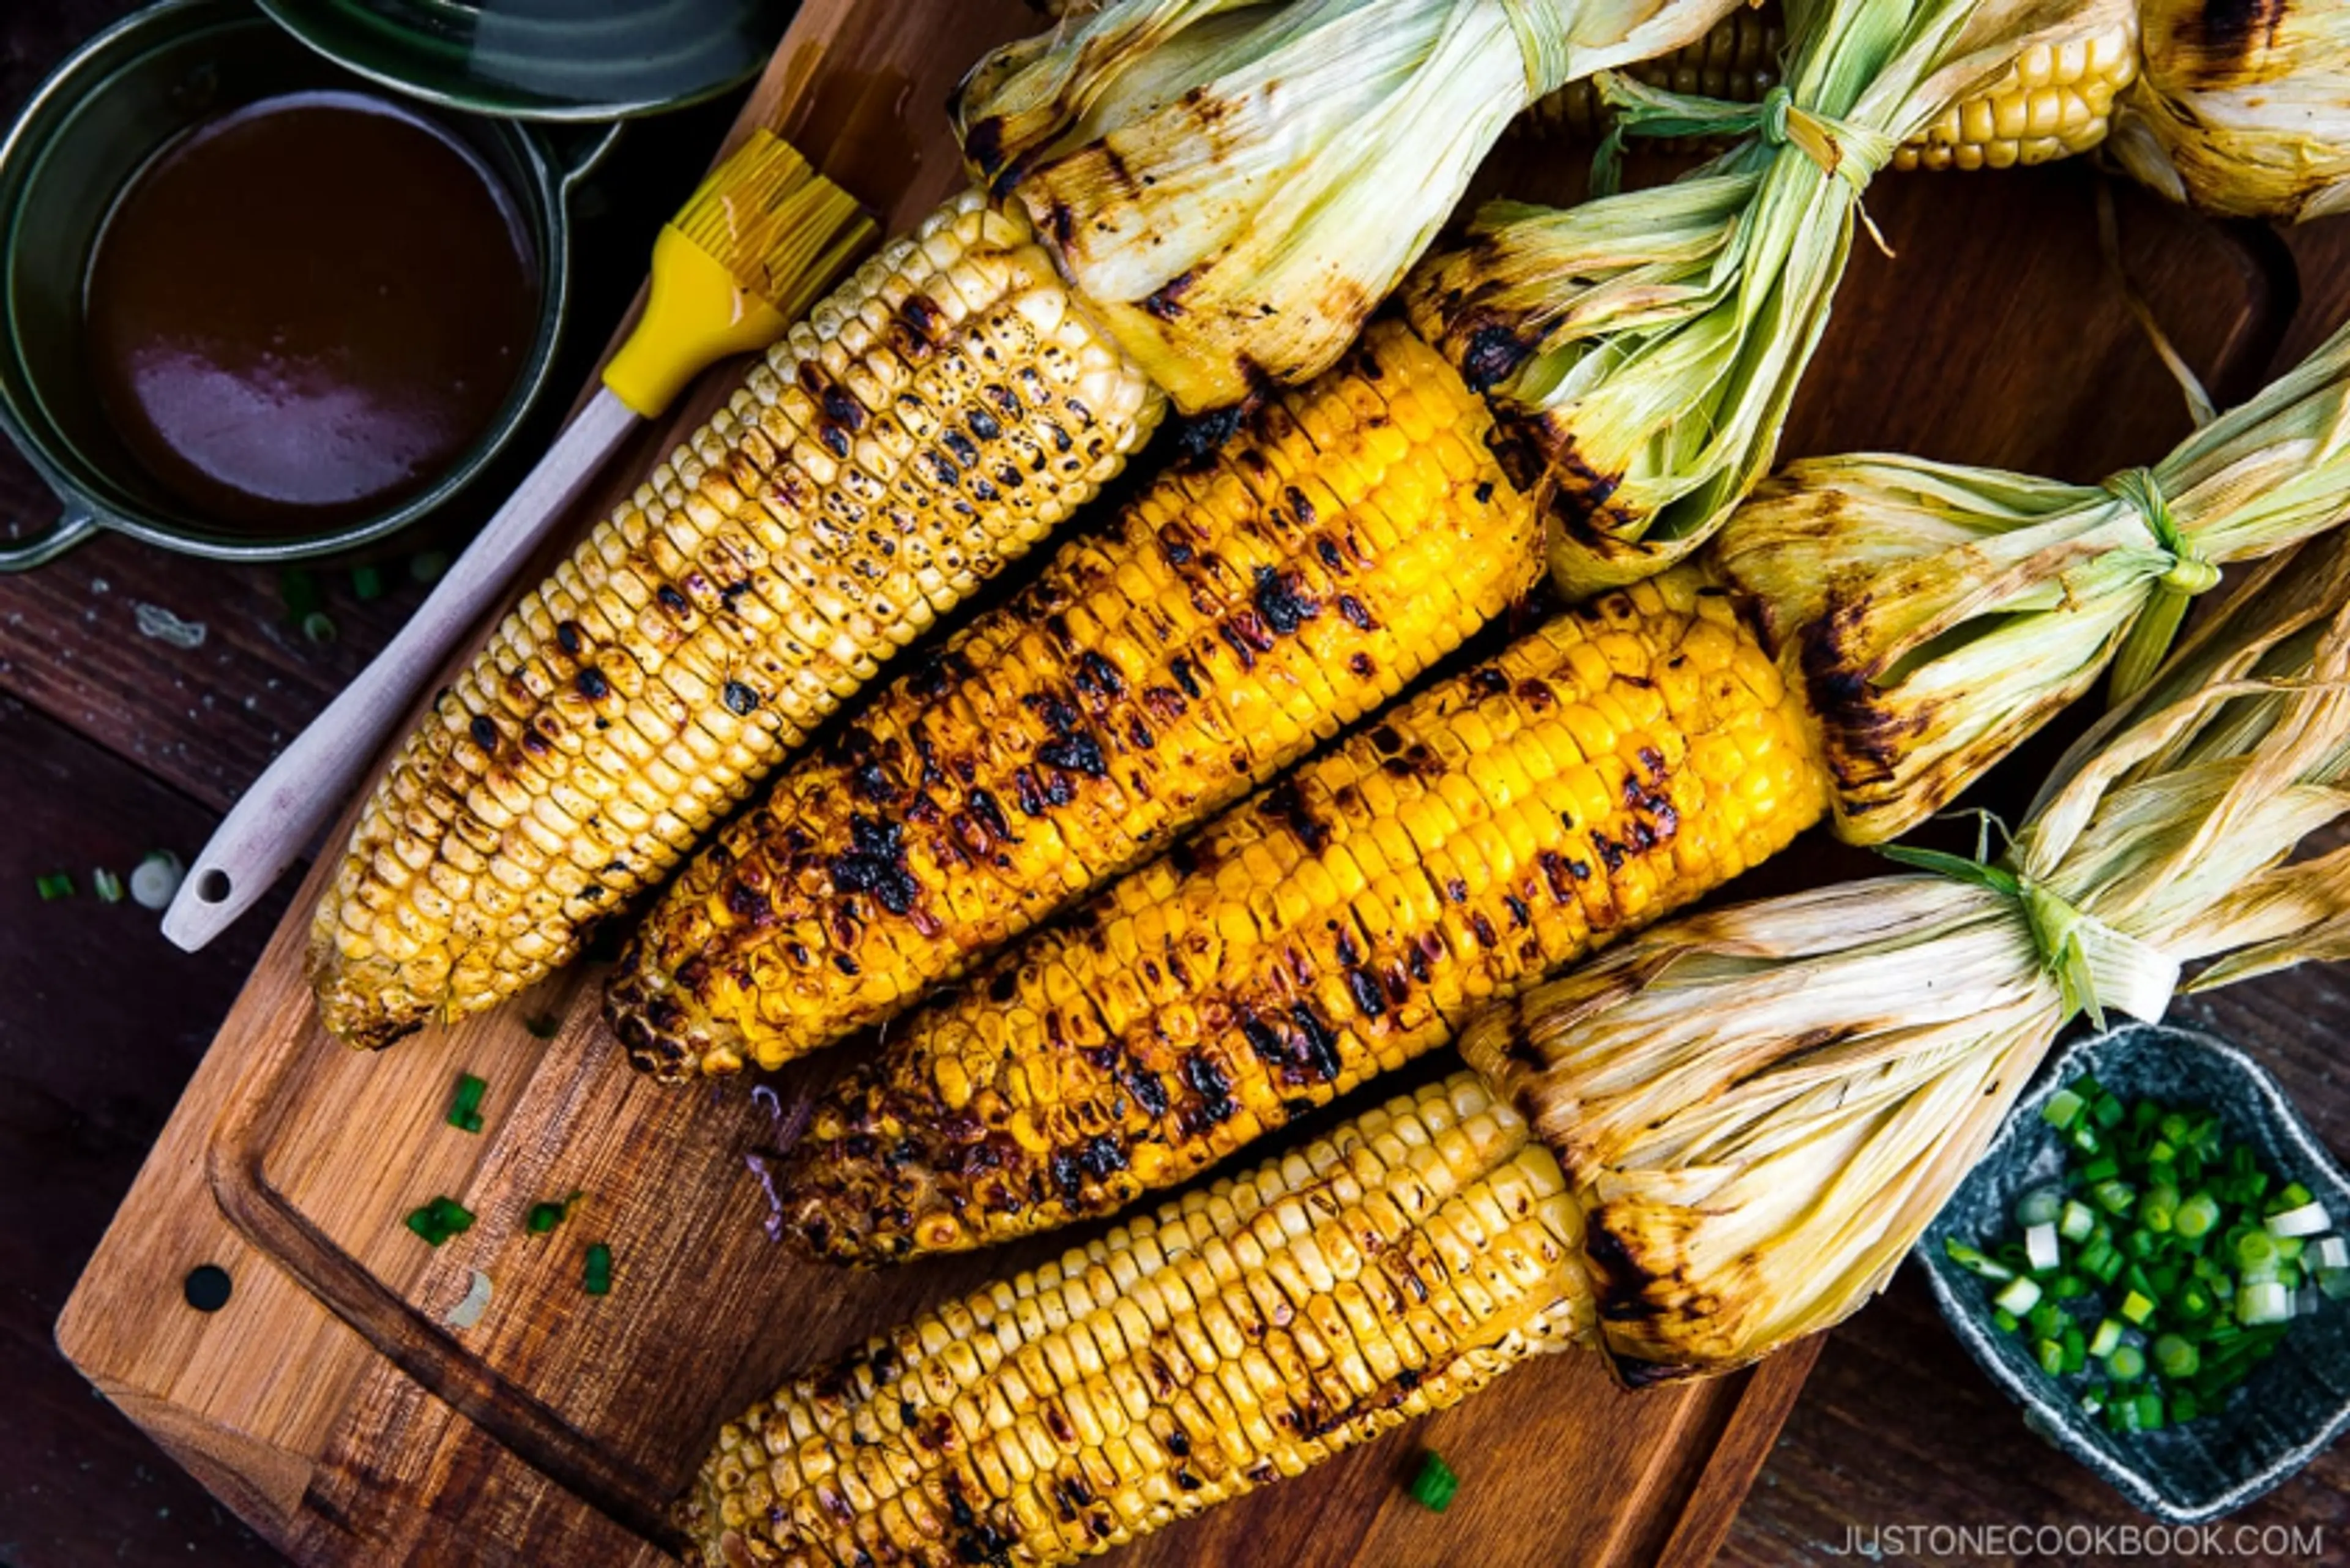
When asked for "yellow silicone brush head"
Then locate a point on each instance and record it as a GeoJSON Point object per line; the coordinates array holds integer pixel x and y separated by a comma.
{"type": "Point", "coordinates": [763, 237]}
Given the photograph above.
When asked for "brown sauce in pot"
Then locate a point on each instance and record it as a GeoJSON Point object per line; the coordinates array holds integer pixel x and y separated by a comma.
{"type": "Point", "coordinates": [308, 309]}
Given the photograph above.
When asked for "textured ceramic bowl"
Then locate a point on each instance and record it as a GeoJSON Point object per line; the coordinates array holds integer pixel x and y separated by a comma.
{"type": "Point", "coordinates": [2292, 1405]}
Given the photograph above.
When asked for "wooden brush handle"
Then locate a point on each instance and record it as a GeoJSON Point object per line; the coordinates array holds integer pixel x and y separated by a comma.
{"type": "Point", "coordinates": [314, 778]}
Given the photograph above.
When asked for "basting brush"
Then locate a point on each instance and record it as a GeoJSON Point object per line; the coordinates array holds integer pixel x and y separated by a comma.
{"type": "Point", "coordinates": [760, 239]}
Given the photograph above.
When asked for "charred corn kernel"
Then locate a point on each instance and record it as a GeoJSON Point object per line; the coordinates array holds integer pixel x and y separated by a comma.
{"type": "Point", "coordinates": [1242, 610]}
{"type": "Point", "coordinates": [1299, 993]}
{"type": "Point", "coordinates": [2055, 101]}
{"type": "Point", "coordinates": [929, 421]}
{"type": "Point", "coordinates": [1235, 1335]}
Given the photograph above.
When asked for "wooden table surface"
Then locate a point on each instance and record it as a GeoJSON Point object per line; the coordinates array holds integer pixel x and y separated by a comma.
{"type": "Point", "coordinates": [112, 743]}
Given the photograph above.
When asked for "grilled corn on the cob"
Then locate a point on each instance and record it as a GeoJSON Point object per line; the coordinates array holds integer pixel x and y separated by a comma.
{"type": "Point", "coordinates": [1612, 765]}
{"type": "Point", "coordinates": [1238, 1334]}
{"type": "Point", "coordinates": [2058, 100]}
{"type": "Point", "coordinates": [1238, 613]}
{"type": "Point", "coordinates": [932, 419]}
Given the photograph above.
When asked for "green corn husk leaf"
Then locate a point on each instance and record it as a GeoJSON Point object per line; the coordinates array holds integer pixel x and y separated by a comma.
{"type": "Point", "coordinates": [1937, 615]}
{"type": "Point", "coordinates": [1234, 185]}
{"type": "Point", "coordinates": [1760, 1108]}
{"type": "Point", "coordinates": [1644, 348]}
{"type": "Point", "coordinates": [2242, 110]}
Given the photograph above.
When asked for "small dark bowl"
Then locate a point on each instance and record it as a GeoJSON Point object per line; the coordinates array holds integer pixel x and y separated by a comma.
{"type": "Point", "coordinates": [2290, 1407]}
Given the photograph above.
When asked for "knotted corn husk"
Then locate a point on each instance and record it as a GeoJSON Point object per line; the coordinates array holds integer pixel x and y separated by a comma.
{"type": "Point", "coordinates": [2242, 109]}
{"type": "Point", "coordinates": [1645, 346]}
{"type": "Point", "coordinates": [1233, 186]}
{"type": "Point", "coordinates": [1936, 615]}
{"type": "Point", "coordinates": [1760, 1109]}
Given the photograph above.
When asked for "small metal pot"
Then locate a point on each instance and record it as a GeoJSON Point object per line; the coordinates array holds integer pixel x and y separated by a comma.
{"type": "Point", "coordinates": [87, 129]}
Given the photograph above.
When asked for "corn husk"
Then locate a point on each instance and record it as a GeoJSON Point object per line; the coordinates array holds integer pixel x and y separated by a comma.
{"type": "Point", "coordinates": [1761, 1108]}
{"type": "Point", "coordinates": [2242, 110]}
{"type": "Point", "coordinates": [1938, 615]}
{"type": "Point", "coordinates": [1645, 346]}
{"type": "Point", "coordinates": [1234, 186]}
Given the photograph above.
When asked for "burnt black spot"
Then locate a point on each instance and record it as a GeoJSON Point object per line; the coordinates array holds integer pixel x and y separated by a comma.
{"type": "Point", "coordinates": [1077, 753]}
{"type": "Point", "coordinates": [1300, 505]}
{"type": "Point", "coordinates": [1285, 801]}
{"type": "Point", "coordinates": [846, 965]}
{"type": "Point", "coordinates": [672, 600]}
{"type": "Point", "coordinates": [1103, 1158]}
{"type": "Point", "coordinates": [1025, 792]}
{"type": "Point", "coordinates": [1611, 854]}
{"type": "Point", "coordinates": [1166, 301]}
{"type": "Point", "coordinates": [835, 439]}
{"type": "Point", "coordinates": [983, 424]}
{"type": "Point", "coordinates": [961, 446]}
{"type": "Point", "coordinates": [1484, 492]}
{"type": "Point", "coordinates": [871, 782]}
{"type": "Point", "coordinates": [1492, 354]}
{"type": "Point", "coordinates": [876, 864]}
{"type": "Point", "coordinates": [1456, 889]}
{"type": "Point", "coordinates": [1356, 615]}
{"type": "Point", "coordinates": [1068, 1175]}
{"type": "Point", "coordinates": [1520, 917]}
{"type": "Point", "coordinates": [1344, 945]}
{"type": "Point", "coordinates": [485, 730]}
{"type": "Point", "coordinates": [984, 808]}
{"type": "Point", "coordinates": [1321, 1045]}
{"type": "Point", "coordinates": [1488, 682]}
{"type": "Point", "coordinates": [741, 700]}
{"type": "Point", "coordinates": [1284, 609]}
{"type": "Point", "coordinates": [1182, 670]}
{"type": "Point", "coordinates": [1179, 1443]}
{"type": "Point", "coordinates": [1058, 716]}
{"type": "Point", "coordinates": [1361, 665]}
{"type": "Point", "coordinates": [590, 683]}
{"type": "Point", "coordinates": [1099, 675]}
{"type": "Point", "coordinates": [1263, 1039]}
{"type": "Point", "coordinates": [1149, 1092]}
{"type": "Point", "coordinates": [1486, 936]}
{"type": "Point", "coordinates": [1366, 991]}
{"type": "Point", "coordinates": [1199, 438]}
{"type": "Point", "coordinates": [1174, 547]}
{"type": "Point", "coordinates": [1004, 986]}
{"type": "Point", "coordinates": [746, 903]}
{"type": "Point", "coordinates": [567, 638]}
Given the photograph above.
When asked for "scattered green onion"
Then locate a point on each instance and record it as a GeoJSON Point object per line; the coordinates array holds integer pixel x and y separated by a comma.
{"type": "Point", "coordinates": [2306, 1218]}
{"type": "Point", "coordinates": [1974, 1262]}
{"type": "Point", "coordinates": [2020, 1296]}
{"type": "Point", "coordinates": [2078, 1223]}
{"type": "Point", "coordinates": [598, 1278]}
{"type": "Point", "coordinates": [2196, 1217]}
{"type": "Point", "coordinates": [1433, 1486]}
{"type": "Point", "coordinates": [299, 589]}
{"type": "Point", "coordinates": [543, 1026]}
{"type": "Point", "coordinates": [2109, 1336]}
{"type": "Point", "coordinates": [2177, 1356]}
{"type": "Point", "coordinates": [465, 1104]}
{"type": "Point", "coordinates": [2128, 1364]}
{"type": "Point", "coordinates": [367, 583]}
{"type": "Point", "coordinates": [319, 628]}
{"type": "Point", "coordinates": [53, 885]}
{"type": "Point", "coordinates": [2062, 1109]}
{"type": "Point", "coordinates": [429, 566]}
{"type": "Point", "coordinates": [155, 880]}
{"type": "Point", "coordinates": [106, 885]}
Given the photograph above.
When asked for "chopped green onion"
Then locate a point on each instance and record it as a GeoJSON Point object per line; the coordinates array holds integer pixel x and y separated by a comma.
{"type": "Point", "coordinates": [1434, 1484]}
{"type": "Point", "coordinates": [2197, 1216]}
{"type": "Point", "coordinates": [2263, 1303]}
{"type": "Point", "coordinates": [598, 1278]}
{"type": "Point", "coordinates": [2108, 1335]}
{"type": "Point", "coordinates": [2306, 1218]}
{"type": "Point", "coordinates": [454, 1217]}
{"type": "Point", "coordinates": [2333, 1284]}
{"type": "Point", "coordinates": [2041, 1246]}
{"type": "Point", "coordinates": [106, 885]}
{"type": "Point", "coordinates": [2020, 1296]}
{"type": "Point", "coordinates": [2257, 1250]}
{"type": "Point", "coordinates": [2176, 1355]}
{"type": "Point", "coordinates": [2062, 1109]}
{"type": "Point", "coordinates": [2138, 1307]}
{"type": "Point", "coordinates": [299, 589]}
{"type": "Point", "coordinates": [367, 583]}
{"type": "Point", "coordinates": [2332, 1253]}
{"type": "Point", "coordinates": [1975, 1262]}
{"type": "Point", "coordinates": [2149, 1413]}
{"type": "Point", "coordinates": [2184, 1406]}
{"type": "Point", "coordinates": [429, 566]}
{"type": "Point", "coordinates": [2039, 1207]}
{"type": "Point", "coordinates": [543, 1026]}
{"type": "Point", "coordinates": [319, 628]}
{"type": "Point", "coordinates": [155, 880]}
{"type": "Point", "coordinates": [53, 885]}
{"type": "Point", "coordinates": [426, 1222]}
{"type": "Point", "coordinates": [2128, 1364]}
{"type": "Point", "coordinates": [2108, 1112]}
{"type": "Point", "coordinates": [2051, 1353]}
{"type": "Point", "coordinates": [2105, 1167]}
{"type": "Point", "coordinates": [2113, 1196]}
{"type": "Point", "coordinates": [465, 1106]}
{"type": "Point", "coordinates": [2160, 1208]}
{"type": "Point", "coordinates": [2078, 1222]}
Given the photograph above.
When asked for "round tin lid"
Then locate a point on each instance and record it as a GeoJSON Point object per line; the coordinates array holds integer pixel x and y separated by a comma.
{"type": "Point", "coordinates": [544, 59]}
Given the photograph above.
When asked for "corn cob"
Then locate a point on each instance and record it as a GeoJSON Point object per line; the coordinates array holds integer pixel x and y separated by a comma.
{"type": "Point", "coordinates": [932, 420]}
{"type": "Point", "coordinates": [1238, 1334]}
{"type": "Point", "coordinates": [1615, 763]}
{"type": "Point", "coordinates": [2057, 101]}
{"type": "Point", "coordinates": [1239, 612]}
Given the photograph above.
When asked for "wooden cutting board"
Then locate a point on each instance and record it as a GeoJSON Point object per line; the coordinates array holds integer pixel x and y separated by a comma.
{"type": "Point", "coordinates": [330, 1405]}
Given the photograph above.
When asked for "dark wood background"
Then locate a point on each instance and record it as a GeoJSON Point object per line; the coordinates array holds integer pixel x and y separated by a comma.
{"type": "Point", "coordinates": [112, 743]}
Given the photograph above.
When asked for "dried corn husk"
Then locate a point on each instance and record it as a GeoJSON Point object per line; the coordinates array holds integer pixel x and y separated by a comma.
{"type": "Point", "coordinates": [2242, 109]}
{"type": "Point", "coordinates": [1646, 346]}
{"type": "Point", "coordinates": [1761, 1108]}
{"type": "Point", "coordinates": [1234, 186]}
{"type": "Point", "coordinates": [1938, 615]}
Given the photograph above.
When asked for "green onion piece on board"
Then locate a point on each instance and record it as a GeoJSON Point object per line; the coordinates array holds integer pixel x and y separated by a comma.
{"type": "Point", "coordinates": [465, 1104]}
{"type": "Point", "coordinates": [367, 583]}
{"type": "Point", "coordinates": [1433, 1485]}
{"type": "Point", "coordinates": [106, 885]}
{"type": "Point", "coordinates": [597, 1277]}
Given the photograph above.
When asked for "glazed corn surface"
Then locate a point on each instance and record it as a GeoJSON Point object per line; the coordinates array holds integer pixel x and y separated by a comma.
{"type": "Point", "coordinates": [932, 420]}
{"type": "Point", "coordinates": [1618, 762]}
{"type": "Point", "coordinates": [2057, 101]}
{"type": "Point", "coordinates": [1237, 1335]}
{"type": "Point", "coordinates": [1242, 609]}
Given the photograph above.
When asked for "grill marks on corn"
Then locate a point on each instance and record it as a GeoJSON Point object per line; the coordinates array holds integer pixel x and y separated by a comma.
{"type": "Point", "coordinates": [1622, 759]}
{"type": "Point", "coordinates": [1242, 609]}
{"type": "Point", "coordinates": [793, 544]}
{"type": "Point", "coordinates": [1237, 1334]}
